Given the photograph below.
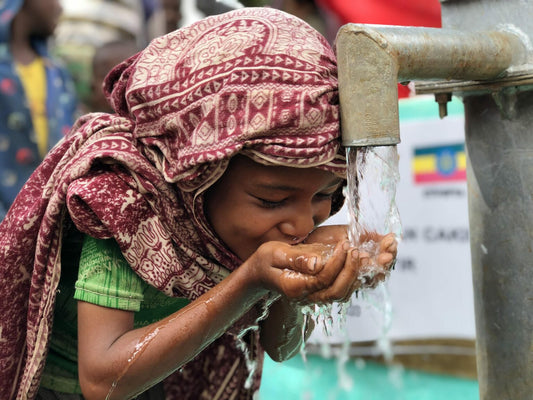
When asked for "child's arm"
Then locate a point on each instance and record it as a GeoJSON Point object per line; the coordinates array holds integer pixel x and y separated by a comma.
{"type": "Point", "coordinates": [285, 329]}
{"type": "Point", "coordinates": [112, 353]}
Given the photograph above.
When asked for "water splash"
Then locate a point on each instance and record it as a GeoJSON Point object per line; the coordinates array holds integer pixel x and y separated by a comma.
{"type": "Point", "coordinates": [371, 200]}
{"type": "Point", "coordinates": [251, 363]}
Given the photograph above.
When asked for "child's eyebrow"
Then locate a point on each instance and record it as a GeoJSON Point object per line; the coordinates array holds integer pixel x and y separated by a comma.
{"type": "Point", "coordinates": [287, 188]}
{"type": "Point", "coordinates": [279, 187]}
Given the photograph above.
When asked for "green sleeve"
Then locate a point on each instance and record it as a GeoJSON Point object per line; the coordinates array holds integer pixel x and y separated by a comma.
{"type": "Point", "coordinates": [105, 277]}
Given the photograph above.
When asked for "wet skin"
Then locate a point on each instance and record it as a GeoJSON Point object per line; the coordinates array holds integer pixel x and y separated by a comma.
{"type": "Point", "coordinates": [265, 215]}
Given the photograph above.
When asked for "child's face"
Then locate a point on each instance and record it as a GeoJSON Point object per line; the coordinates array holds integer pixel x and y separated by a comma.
{"type": "Point", "coordinates": [253, 203]}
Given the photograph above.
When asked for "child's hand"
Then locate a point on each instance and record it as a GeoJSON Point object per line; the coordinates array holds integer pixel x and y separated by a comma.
{"type": "Point", "coordinates": [378, 260]}
{"type": "Point", "coordinates": [325, 268]}
{"type": "Point", "coordinates": [297, 271]}
{"type": "Point", "coordinates": [328, 234]}
{"type": "Point", "coordinates": [376, 253]}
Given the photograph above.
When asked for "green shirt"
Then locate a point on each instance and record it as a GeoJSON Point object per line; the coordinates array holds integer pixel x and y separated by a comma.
{"type": "Point", "coordinates": [104, 278]}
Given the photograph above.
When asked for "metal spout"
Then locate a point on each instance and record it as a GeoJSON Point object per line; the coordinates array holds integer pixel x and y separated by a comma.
{"type": "Point", "coordinates": [372, 59]}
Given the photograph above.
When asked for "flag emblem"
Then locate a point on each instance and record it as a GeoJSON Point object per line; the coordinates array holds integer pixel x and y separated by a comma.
{"type": "Point", "coordinates": [439, 164]}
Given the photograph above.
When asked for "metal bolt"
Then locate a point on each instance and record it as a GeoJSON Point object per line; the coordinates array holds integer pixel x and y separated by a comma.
{"type": "Point", "coordinates": [443, 99]}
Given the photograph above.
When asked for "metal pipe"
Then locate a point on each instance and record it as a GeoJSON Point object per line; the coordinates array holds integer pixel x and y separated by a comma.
{"type": "Point", "coordinates": [372, 59]}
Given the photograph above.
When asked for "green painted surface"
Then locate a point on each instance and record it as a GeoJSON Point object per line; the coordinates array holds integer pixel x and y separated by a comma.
{"type": "Point", "coordinates": [318, 379]}
{"type": "Point", "coordinates": [425, 107]}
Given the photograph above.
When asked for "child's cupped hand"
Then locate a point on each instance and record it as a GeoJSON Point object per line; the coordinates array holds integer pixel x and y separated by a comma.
{"type": "Point", "coordinates": [299, 271]}
{"type": "Point", "coordinates": [375, 253]}
{"type": "Point", "coordinates": [324, 269]}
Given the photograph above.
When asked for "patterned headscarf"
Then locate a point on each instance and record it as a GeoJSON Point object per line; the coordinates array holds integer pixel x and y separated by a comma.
{"type": "Point", "coordinates": [255, 81]}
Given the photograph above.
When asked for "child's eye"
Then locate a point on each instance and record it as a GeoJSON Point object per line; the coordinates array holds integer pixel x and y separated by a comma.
{"type": "Point", "coordinates": [269, 203]}
{"type": "Point", "coordinates": [324, 196]}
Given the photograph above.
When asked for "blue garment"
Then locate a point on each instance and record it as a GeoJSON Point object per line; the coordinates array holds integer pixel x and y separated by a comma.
{"type": "Point", "coordinates": [19, 155]}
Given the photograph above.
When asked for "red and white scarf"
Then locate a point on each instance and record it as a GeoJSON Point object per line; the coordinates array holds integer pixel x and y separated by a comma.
{"type": "Point", "coordinates": [255, 81]}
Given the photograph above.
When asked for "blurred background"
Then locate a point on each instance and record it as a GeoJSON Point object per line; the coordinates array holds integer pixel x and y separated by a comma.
{"type": "Point", "coordinates": [411, 338]}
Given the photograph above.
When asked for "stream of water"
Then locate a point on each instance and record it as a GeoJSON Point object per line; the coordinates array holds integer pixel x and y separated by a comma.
{"type": "Point", "coordinates": [371, 193]}
{"type": "Point", "coordinates": [373, 176]}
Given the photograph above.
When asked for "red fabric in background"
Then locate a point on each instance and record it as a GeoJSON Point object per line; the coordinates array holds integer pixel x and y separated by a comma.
{"type": "Point", "coordinates": [386, 12]}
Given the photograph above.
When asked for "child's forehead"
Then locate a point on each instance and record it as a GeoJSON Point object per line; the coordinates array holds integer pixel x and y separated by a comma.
{"type": "Point", "coordinates": [281, 178]}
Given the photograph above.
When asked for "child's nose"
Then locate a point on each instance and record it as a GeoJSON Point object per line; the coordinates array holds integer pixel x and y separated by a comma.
{"type": "Point", "coordinates": [299, 223]}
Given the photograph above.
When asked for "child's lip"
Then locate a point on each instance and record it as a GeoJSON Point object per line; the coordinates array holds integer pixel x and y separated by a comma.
{"type": "Point", "coordinates": [293, 240]}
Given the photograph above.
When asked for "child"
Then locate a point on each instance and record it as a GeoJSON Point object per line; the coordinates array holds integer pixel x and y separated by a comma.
{"type": "Point", "coordinates": [176, 241]}
{"type": "Point", "coordinates": [37, 97]}
{"type": "Point", "coordinates": [105, 58]}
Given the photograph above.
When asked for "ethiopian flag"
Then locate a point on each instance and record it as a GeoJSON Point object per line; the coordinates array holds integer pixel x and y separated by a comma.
{"type": "Point", "coordinates": [439, 164]}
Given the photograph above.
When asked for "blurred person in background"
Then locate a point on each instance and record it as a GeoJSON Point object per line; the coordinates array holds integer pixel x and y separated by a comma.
{"type": "Point", "coordinates": [105, 58]}
{"type": "Point", "coordinates": [306, 10]}
{"type": "Point", "coordinates": [86, 25]}
{"type": "Point", "coordinates": [214, 7]}
{"type": "Point", "coordinates": [95, 35]}
{"type": "Point", "coordinates": [171, 10]}
{"type": "Point", "coordinates": [37, 97]}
